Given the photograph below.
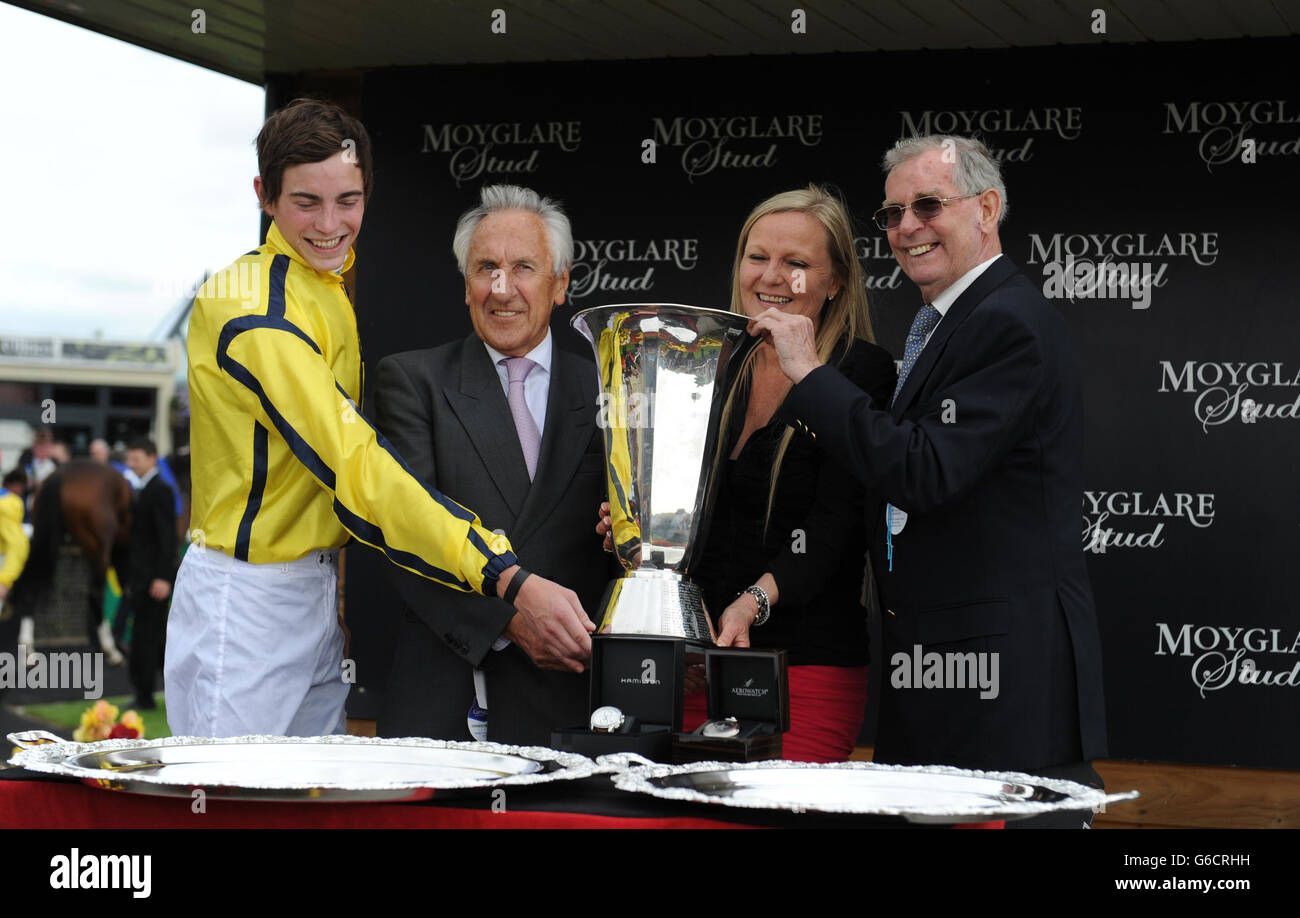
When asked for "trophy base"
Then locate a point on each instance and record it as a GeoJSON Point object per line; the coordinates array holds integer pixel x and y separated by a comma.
{"type": "Point", "coordinates": [656, 602]}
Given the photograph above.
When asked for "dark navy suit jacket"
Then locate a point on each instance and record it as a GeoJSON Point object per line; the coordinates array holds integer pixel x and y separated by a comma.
{"type": "Point", "coordinates": [984, 449]}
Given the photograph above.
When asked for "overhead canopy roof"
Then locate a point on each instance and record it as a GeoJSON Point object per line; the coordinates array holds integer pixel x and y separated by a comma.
{"type": "Point", "coordinates": [252, 38]}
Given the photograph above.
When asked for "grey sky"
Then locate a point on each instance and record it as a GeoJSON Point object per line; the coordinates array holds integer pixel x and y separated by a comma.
{"type": "Point", "coordinates": [127, 173]}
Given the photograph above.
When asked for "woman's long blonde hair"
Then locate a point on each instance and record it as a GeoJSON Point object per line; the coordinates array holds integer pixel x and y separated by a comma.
{"type": "Point", "coordinates": [846, 316]}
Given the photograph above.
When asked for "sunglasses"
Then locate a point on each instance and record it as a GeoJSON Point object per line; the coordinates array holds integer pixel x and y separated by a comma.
{"type": "Point", "coordinates": [926, 209]}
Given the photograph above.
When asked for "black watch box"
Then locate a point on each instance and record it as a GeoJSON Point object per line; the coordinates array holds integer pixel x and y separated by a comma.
{"type": "Point", "coordinates": [643, 676]}
{"type": "Point", "coordinates": [753, 687]}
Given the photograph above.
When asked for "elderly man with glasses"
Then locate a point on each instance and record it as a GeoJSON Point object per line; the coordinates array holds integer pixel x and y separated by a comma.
{"type": "Point", "coordinates": [979, 455]}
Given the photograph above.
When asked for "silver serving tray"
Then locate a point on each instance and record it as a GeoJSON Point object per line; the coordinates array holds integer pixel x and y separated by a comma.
{"type": "Point", "coordinates": [921, 794]}
{"type": "Point", "coordinates": [279, 768]}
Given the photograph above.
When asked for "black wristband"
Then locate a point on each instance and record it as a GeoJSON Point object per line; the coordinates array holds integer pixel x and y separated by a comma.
{"type": "Point", "coordinates": [515, 583]}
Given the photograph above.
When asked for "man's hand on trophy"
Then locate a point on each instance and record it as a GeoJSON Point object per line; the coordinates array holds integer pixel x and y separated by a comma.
{"type": "Point", "coordinates": [733, 630]}
{"type": "Point", "coordinates": [550, 626]}
{"type": "Point", "coordinates": [794, 339]}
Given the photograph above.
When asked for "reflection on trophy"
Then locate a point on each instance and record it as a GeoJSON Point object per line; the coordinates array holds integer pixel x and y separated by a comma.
{"type": "Point", "coordinates": [665, 373]}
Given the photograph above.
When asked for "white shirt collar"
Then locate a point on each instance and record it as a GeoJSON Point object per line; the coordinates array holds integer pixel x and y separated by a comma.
{"type": "Point", "coordinates": [949, 296]}
{"type": "Point", "coordinates": [148, 476]}
{"type": "Point", "coordinates": [540, 355]}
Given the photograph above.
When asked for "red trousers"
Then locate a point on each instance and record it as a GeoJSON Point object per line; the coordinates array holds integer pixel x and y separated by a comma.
{"type": "Point", "coordinates": [827, 704]}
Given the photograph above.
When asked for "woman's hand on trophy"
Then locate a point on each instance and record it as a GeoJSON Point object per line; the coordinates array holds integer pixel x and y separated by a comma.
{"type": "Point", "coordinates": [737, 618]}
{"type": "Point", "coordinates": [746, 612]}
{"type": "Point", "coordinates": [629, 550]}
{"type": "Point", "coordinates": [605, 526]}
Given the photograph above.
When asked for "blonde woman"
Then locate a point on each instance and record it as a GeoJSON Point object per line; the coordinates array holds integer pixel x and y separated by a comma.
{"type": "Point", "coordinates": [784, 563]}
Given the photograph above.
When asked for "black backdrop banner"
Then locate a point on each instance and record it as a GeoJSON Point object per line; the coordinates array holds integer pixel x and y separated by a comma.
{"type": "Point", "coordinates": [1151, 191]}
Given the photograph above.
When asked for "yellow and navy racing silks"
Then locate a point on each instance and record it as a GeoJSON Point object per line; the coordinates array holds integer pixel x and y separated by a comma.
{"type": "Point", "coordinates": [13, 541]}
{"type": "Point", "coordinates": [283, 462]}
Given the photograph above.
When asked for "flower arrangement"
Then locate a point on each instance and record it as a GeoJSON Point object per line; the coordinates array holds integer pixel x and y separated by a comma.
{"type": "Point", "coordinates": [100, 722]}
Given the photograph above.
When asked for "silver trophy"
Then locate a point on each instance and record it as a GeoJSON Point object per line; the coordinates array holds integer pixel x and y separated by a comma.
{"type": "Point", "coordinates": [665, 373]}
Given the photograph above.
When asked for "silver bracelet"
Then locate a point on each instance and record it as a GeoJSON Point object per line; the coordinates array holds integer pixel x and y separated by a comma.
{"type": "Point", "coordinates": [764, 604]}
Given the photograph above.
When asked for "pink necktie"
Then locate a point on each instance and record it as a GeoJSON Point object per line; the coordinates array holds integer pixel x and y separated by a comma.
{"type": "Point", "coordinates": [529, 437]}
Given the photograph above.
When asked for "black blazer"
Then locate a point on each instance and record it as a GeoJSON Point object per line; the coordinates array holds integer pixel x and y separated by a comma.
{"type": "Point", "coordinates": [819, 620]}
{"type": "Point", "coordinates": [153, 536]}
{"type": "Point", "coordinates": [446, 414]}
{"type": "Point", "coordinates": [984, 449]}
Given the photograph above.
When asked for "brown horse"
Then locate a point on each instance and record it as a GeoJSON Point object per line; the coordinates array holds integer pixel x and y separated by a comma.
{"type": "Point", "coordinates": [91, 503]}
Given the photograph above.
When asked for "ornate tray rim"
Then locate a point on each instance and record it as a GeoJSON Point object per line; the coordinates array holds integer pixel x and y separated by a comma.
{"type": "Point", "coordinates": [638, 778]}
{"type": "Point", "coordinates": [50, 758]}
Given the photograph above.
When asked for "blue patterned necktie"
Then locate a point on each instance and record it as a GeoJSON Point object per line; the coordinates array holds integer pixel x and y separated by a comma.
{"type": "Point", "coordinates": [927, 317]}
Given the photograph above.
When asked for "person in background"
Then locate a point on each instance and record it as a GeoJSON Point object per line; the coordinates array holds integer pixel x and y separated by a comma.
{"type": "Point", "coordinates": [13, 540]}
{"type": "Point", "coordinates": [148, 584]}
{"type": "Point", "coordinates": [99, 451]}
{"type": "Point", "coordinates": [14, 549]}
{"type": "Point", "coordinates": [169, 478]}
{"type": "Point", "coordinates": [60, 453]}
{"type": "Point", "coordinates": [38, 461]}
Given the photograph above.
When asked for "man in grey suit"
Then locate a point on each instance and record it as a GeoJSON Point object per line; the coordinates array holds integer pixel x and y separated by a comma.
{"type": "Point", "coordinates": [506, 421]}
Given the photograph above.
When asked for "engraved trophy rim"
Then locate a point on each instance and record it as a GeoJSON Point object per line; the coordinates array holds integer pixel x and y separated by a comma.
{"type": "Point", "coordinates": [573, 319]}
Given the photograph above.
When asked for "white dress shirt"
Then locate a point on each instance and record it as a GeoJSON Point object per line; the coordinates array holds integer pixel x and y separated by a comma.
{"type": "Point", "coordinates": [538, 383]}
{"type": "Point", "coordinates": [944, 301]}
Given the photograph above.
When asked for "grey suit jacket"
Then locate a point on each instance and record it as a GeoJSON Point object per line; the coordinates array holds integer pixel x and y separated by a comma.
{"type": "Point", "coordinates": [444, 411]}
